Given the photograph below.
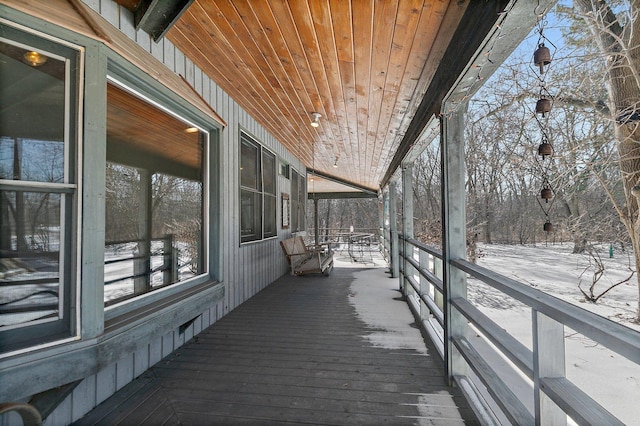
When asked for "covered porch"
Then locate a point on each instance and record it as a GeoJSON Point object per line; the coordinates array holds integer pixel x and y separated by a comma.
{"type": "Point", "coordinates": [287, 104]}
{"type": "Point", "coordinates": [337, 350]}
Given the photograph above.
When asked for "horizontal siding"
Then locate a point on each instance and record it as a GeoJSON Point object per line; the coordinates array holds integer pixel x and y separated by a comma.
{"type": "Point", "coordinates": [246, 269]}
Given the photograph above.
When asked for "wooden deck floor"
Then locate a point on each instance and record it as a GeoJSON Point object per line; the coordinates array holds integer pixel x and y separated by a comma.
{"type": "Point", "coordinates": [296, 353]}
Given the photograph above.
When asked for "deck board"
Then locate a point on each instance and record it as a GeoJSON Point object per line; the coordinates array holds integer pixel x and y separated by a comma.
{"type": "Point", "coordinates": [295, 353]}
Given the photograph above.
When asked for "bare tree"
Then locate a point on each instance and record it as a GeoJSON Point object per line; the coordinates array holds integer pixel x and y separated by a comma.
{"type": "Point", "coordinates": [597, 265]}
{"type": "Point", "coordinates": [617, 35]}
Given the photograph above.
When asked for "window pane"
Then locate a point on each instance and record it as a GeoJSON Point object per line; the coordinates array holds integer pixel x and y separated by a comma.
{"type": "Point", "coordinates": [270, 229]}
{"type": "Point", "coordinates": [32, 123]}
{"type": "Point", "coordinates": [249, 163]}
{"type": "Point", "coordinates": [250, 216]}
{"type": "Point", "coordinates": [122, 229]}
{"type": "Point", "coordinates": [302, 203]}
{"type": "Point", "coordinates": [154, 198]}
{"type": "Point", "coordinates": [38, 99]}
{"type": "Point", "coordinates": [176, 229]}
{"type": "Point", "coordinates": [269, 172]}
{"type": "Point", "coordinates": [31, 160]}
{"type": "Point", "coordinates": [29, 256]}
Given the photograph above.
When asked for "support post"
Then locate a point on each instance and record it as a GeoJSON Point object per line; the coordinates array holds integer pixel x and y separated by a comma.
{"type": "Point", "coordinates": [407, 223]}
{"type": "Point", "coordinates": [142, 265]}
{"type": "Point", "coordinates": [381, 243]}
{"type": "Point", "coordinates": [548, 361]}
{"type": "Point", "coordinates": [454, 234]}
{"type": "Point", "coordinates": [170, 258]}
{"type": "Point", "coordinates": [386, 234]}
{"type": "Point", "coordinates": [393, 229]}
{"type": "Point", "coordinates": [316, 222]}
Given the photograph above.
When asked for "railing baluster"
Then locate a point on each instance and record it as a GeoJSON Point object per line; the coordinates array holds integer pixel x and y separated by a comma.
{"type": "Point", "coordinates": [437, 271]}
{"type": "Point", "coordinates": [548, 361]}
{"type": "Point", "coordinates": [423, 258]}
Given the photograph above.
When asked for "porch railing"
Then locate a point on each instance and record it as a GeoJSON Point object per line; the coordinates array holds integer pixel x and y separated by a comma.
{"type": "Point", "coordinates": [359, 243]}
{"type": "Point", "coordinates": [161, 259]}
{"type": "Point", "coordinates": [554, 396]}
{"type": "Point", "coordinates": [342, 235]}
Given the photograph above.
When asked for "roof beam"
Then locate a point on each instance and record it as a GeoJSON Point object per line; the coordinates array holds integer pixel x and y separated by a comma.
{"type": "Point", "coordinates": [339, 195]}
{"type": "Point", "coordinates": [157, 16]}
{"type": "Point", "coordinates": [341, 181]}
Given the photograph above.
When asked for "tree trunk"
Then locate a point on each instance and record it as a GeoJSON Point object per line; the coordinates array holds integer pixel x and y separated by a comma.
{"type": "Point", "coordinates": [622, 47]}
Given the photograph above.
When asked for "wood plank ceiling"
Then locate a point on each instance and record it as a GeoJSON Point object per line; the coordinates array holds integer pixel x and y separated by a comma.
{"type": "Point", "coordinates": [363, 64]}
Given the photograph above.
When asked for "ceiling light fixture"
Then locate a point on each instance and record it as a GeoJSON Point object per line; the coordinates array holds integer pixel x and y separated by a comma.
{"type": "Point", "coordinates": [191, 129]}
{"type": "Point", "coordinates": [34, 59]}
{"type": "Point", "coordinates": [335, 163]}
{"type": "Point", "coordinates": [316, 119]}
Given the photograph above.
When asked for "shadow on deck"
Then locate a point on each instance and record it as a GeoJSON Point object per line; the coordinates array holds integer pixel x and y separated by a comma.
{"type": "Point", "coordinates": [337, 350]}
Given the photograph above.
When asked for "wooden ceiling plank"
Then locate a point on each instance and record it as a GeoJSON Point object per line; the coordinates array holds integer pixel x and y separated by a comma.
{"type": "Point", "coordinates": [405, 28]}
{"type": "Point", "coordinates": [399, 77]}
{"type": "Point", "coordinates": [261, 50]}
{"type": "Point", "coordinates": [332, 106]}
{"type": "Point", "coordinates": [228, 26]}
{"type": "Point", "coordinates": [413, 84]}
{"type": "Point", "coordinates": [307, 62]}
{"type": "Point", "coordinates": [218, 57]}
{"type": "Point", "coordinates": [362, 22]}
{"type": "Point", "coordinates": [341, 20]}
{"type": "Point", "coordinates": [303, 100]}
{"type": "Point", "coordinates": [444, 19]}
{"type": "Point", "coordinates": [347, 74]}
{"type": "Point", "coordinates": [384, 18]}
{"type": "Point", "coordinates": [275, 55]}
{"type": "Point", "coordinates": [428, 102]}
{"type": "Point", "coordinates": [220, 70]}
{"type": "Point", "coordinates": [408, 17]}
{"type": "Point", "coordinates": [318, 17]}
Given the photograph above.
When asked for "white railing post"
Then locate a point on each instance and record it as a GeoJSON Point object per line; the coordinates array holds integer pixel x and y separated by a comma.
{"type": "Point", "coordinates": [438, 298]}
{"type": "Point", "coordinates": [548, 361]}
{"type": "Point", "coordinates": [453, 234]}
{"type": "Point", "coordinates": [386, 228]}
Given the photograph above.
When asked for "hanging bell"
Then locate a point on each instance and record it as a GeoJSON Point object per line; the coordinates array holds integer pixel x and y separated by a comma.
{"type": "Point", "coordinates": [546, 194]}
{"type": "Point", "coordinates": [548, 226]}
{"type": "Point", "coordinates": [545, 150]}
{"type": "Point", "coordinates": [543, 106]}
{"type": "Point", "coordinates": [542, 57]}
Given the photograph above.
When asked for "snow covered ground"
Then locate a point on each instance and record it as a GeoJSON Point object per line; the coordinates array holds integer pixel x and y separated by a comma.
{"type": "Point", "coordinates": [555, 270]}
{"type": "Point", "coordinates": [607, 377]}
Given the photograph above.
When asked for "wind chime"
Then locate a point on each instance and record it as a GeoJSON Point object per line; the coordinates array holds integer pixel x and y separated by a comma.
{"type": "Point", "coordinates": [542, 59]}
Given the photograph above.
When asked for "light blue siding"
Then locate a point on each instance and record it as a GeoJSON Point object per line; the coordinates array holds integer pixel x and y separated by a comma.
{"type": "Point", "coordinates": [245, 269]}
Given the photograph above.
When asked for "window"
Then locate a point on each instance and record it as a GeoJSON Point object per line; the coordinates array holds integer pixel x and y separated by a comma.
{"type": "Point", "coordinates": [154, 194]}
{"type": "Point", "coordinates": [297, 202]}
{"type": "Point", "coordinates": [258, 203]}
{"type": "Point", "coordinates": [38, 192]}
{"type": "Point", "coordinates": [285, 170]}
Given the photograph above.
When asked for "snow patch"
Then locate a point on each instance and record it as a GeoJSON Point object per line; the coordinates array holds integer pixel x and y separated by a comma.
{"type": "Point", "coordinates": [375, 303]}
